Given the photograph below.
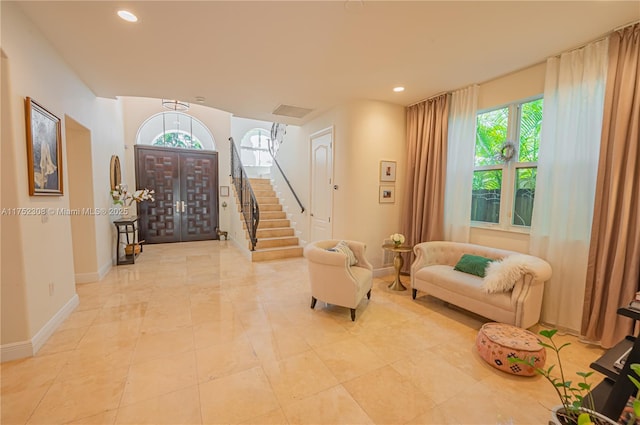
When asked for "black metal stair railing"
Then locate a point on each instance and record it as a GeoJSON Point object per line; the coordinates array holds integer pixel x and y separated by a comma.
{"type": "Point", "coordinates": [246, 197]}
{"type": "Point", "coordinates": [272, 151]}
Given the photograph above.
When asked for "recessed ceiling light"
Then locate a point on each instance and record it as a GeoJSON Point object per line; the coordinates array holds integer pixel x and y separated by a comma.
{"type": "Point", "coordinates": [127, 16]}
{"type": "Point", "coordinates": [398, 89]}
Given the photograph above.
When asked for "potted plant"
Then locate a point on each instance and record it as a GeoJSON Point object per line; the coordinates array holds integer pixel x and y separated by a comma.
{"type": "Point", "coordinates": [631, 412]}
{"type": "Point", "coordinates": [577, 405]}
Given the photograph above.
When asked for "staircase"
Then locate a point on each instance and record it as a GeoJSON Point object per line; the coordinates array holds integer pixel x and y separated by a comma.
{"type": "Point", "coordinates": [275, 235]}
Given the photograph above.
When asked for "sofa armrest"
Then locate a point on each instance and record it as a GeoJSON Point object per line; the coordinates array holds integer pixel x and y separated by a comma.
{"type": "Point", "coordinates": [538, 268]}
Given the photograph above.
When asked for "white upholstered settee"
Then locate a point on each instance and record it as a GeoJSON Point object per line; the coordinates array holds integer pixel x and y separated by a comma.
{"type": "Point", "coordinates": [433, 272]}
{"type": "Point", "coordinates": [333, 280]}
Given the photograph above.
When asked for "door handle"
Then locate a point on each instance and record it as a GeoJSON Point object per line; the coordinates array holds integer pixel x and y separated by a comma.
{"type": "Point", "coordinates": [177, 206]}
{"type": "Point", "coordinates": [182, 206]}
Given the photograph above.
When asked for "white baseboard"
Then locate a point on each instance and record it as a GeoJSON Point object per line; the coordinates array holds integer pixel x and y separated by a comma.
{"type": "Point", "coordinates": [384, 271]}
{"type": "Point", "coordinates": [16, 350]}
{"type": "Point", "coordinates": [87, 277]}
{"type": "Point", "coordinates": [95, 276]}
{"type": "Point", "coordinates": [105, 269]}
{"type": "Point", "coordinates": [50, 327]}
{"type": "Point", "coordinates": [22, 349]}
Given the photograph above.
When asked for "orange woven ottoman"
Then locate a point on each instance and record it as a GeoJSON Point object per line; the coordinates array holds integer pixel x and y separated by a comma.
{"type": "Point", "coordinates": [496, 342]}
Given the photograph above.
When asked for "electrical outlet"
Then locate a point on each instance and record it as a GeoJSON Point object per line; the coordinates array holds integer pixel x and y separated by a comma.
{"type": "Point", "coordinates": [51, 288]}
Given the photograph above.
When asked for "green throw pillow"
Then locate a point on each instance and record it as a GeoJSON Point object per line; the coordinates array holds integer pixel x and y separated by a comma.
{"type": "Point", "coordinates": [473, 264]}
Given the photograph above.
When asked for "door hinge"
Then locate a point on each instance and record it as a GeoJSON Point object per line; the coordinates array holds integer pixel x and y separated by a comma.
{"type": "Point", "coordinates": [329, 219]}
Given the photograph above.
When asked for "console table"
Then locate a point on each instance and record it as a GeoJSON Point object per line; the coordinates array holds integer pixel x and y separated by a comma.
{"type": "Point", "coordinates": [129, 228]}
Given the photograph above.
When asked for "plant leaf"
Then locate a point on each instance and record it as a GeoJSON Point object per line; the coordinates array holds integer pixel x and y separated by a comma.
{"type": "Point", "coordinates": [635, 381]}
{"type": "Point", "coordinates": [548, 333]}
{"type": "Point", "coordinates": [584, 419]}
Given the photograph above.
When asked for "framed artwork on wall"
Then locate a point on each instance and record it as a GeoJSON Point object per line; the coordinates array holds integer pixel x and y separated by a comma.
{"type": "Point", "coordinates": [387, 171]}
{"type": "Point", "coordinates": [44, 150]}
{"type": "Point", "coordinates": [387, 194]}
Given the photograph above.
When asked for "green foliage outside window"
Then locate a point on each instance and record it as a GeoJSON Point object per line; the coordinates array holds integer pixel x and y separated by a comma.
{"type": "Point", "coordinates": [492, 132]}
{"type": "Point", "coordinates": [177, 139]}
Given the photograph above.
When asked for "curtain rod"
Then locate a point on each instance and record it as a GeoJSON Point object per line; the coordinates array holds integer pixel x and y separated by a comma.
{"type": "Point", "coordinates": [429, 98]}
{"type": "Point", "coordinates": [626, 25]}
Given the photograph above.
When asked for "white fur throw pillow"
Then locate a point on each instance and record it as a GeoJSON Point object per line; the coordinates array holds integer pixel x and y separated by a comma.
{"type": "Point", "coordinates": [502, 275]}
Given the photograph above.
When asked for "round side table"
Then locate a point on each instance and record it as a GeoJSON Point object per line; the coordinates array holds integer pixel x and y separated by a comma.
{"type": "Point", "coordinates": [398, 262]}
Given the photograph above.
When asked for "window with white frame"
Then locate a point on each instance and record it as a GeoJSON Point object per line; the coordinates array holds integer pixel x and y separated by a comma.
{"type": "Point", "coordinates": [254, 148]}
{"type": "Point", "coordinates": [506, 164]}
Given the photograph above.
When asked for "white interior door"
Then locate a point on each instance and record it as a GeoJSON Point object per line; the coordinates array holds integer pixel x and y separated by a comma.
{"type": "Point", "coordinates": [321, 184]}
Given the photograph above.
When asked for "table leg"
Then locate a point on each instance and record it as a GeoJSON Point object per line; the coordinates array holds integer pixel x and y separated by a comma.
{"type": "Point", "coordinates": [398, 262]}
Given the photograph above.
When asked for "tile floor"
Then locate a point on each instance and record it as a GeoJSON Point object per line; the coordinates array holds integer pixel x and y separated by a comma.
{"type": "Point", "coordinates": [193, 333]}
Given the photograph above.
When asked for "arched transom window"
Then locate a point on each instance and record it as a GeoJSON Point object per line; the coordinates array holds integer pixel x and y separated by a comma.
{"type": "Point", "coordinates": [176, 130]}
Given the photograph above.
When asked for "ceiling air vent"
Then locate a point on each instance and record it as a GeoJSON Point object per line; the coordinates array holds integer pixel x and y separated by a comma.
{"type": "Point", "coordinates": [291, 111]}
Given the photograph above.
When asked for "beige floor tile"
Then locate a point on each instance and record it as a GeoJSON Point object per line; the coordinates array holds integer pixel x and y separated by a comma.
{"type": "Point", "coordinates": [275, 417]}
{"type": "Point", "coordinates": [130, 297]}
{"type": "Point", "coordinates": [218, 332]}
{"type": "Point", "coordinates": [349, 359]}
{"type": "Point", "coordinates": [80, 397]}
{"type": "Point", "coordinates": [19, 375]}
{"type": "Point", "coordinates": [162, 320]}
{"type": "Point", "coordinates": [122, 312]}
{"type": "Point", "coordinates": [331, 406]}
{"type": "Point", "coordinates": [122, 334]}
{"type": "Point", "coordinates": [64, 340]}
{"type": "Point", "coordinates": [202, 312]}
{"type": "Point", "coordinates": [83, 362]}
{"type": "Point", "coordinates": [79, 319]}
{"type": "Point", "coordinates": [106, 418]}
{"type": "Point", "coordinates": [254, 341]}
{"type": "Point", "coordinates": [434, 377]}
{"type": "Point", "coordinates": [393, 343]}
{"type": "Point", "coordinates": [178, 407]}
{"type": "Point", "coordinates": [438, 415]}
{"type": "Point", "coordinates": [17, 406]}
{"type": "Point", "coordinates": [225, 359]}
{"type": "Point", "coordinates": [163, 344]}
{"type": "Point", "coordinates": [159, 376]}
{"type": "Point", "coordinates": [388, 397]}
{"type": "Point", "coordinates": [237, 398]}
{"type": "Point", "coordinates": [298, 377]}
{"type": "Point", "coordinates": [277, 344]}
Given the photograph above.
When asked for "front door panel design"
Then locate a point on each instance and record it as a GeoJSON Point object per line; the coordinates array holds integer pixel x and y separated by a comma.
{"type": "Point", "coordinates": [186, 199]}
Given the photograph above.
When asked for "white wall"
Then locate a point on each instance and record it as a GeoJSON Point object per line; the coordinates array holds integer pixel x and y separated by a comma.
{"type": "Point", "coordinates": [37, 251]}
{"type": "Point", "coordinates": [365, 133]}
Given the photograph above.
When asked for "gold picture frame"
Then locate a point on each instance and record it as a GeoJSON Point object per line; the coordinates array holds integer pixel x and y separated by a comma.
{"type": "Point", "coordinates": [44, 150]}
{"type": "Point", "coordinates": [387, 171]}
{"type": "Point", "coordinates": [387, 194]}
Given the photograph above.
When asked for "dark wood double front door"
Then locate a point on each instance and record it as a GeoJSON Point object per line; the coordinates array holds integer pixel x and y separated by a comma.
{"type": "Point", "coordinates": [186, 198]}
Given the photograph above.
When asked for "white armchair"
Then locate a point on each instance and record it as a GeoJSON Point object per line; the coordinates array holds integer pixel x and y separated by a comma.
{"type": "Point", "coordinates": [333, 280]}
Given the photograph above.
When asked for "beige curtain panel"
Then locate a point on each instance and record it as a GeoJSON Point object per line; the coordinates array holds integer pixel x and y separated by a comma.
{"type": "Point", "coordinates": [614, 254]}
{"type": "Point", "coordinates": [423, 209]}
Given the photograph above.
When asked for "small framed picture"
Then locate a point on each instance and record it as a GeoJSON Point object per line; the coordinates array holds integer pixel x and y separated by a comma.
{"type": "Point", "coordinates": [44, 150]}
{"type": "Point", "coordinates": [224, 191]}
{"type": "Point", "coordinates": [387, 171]}
{"type": "Point", "coordinates": [387, 194]}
